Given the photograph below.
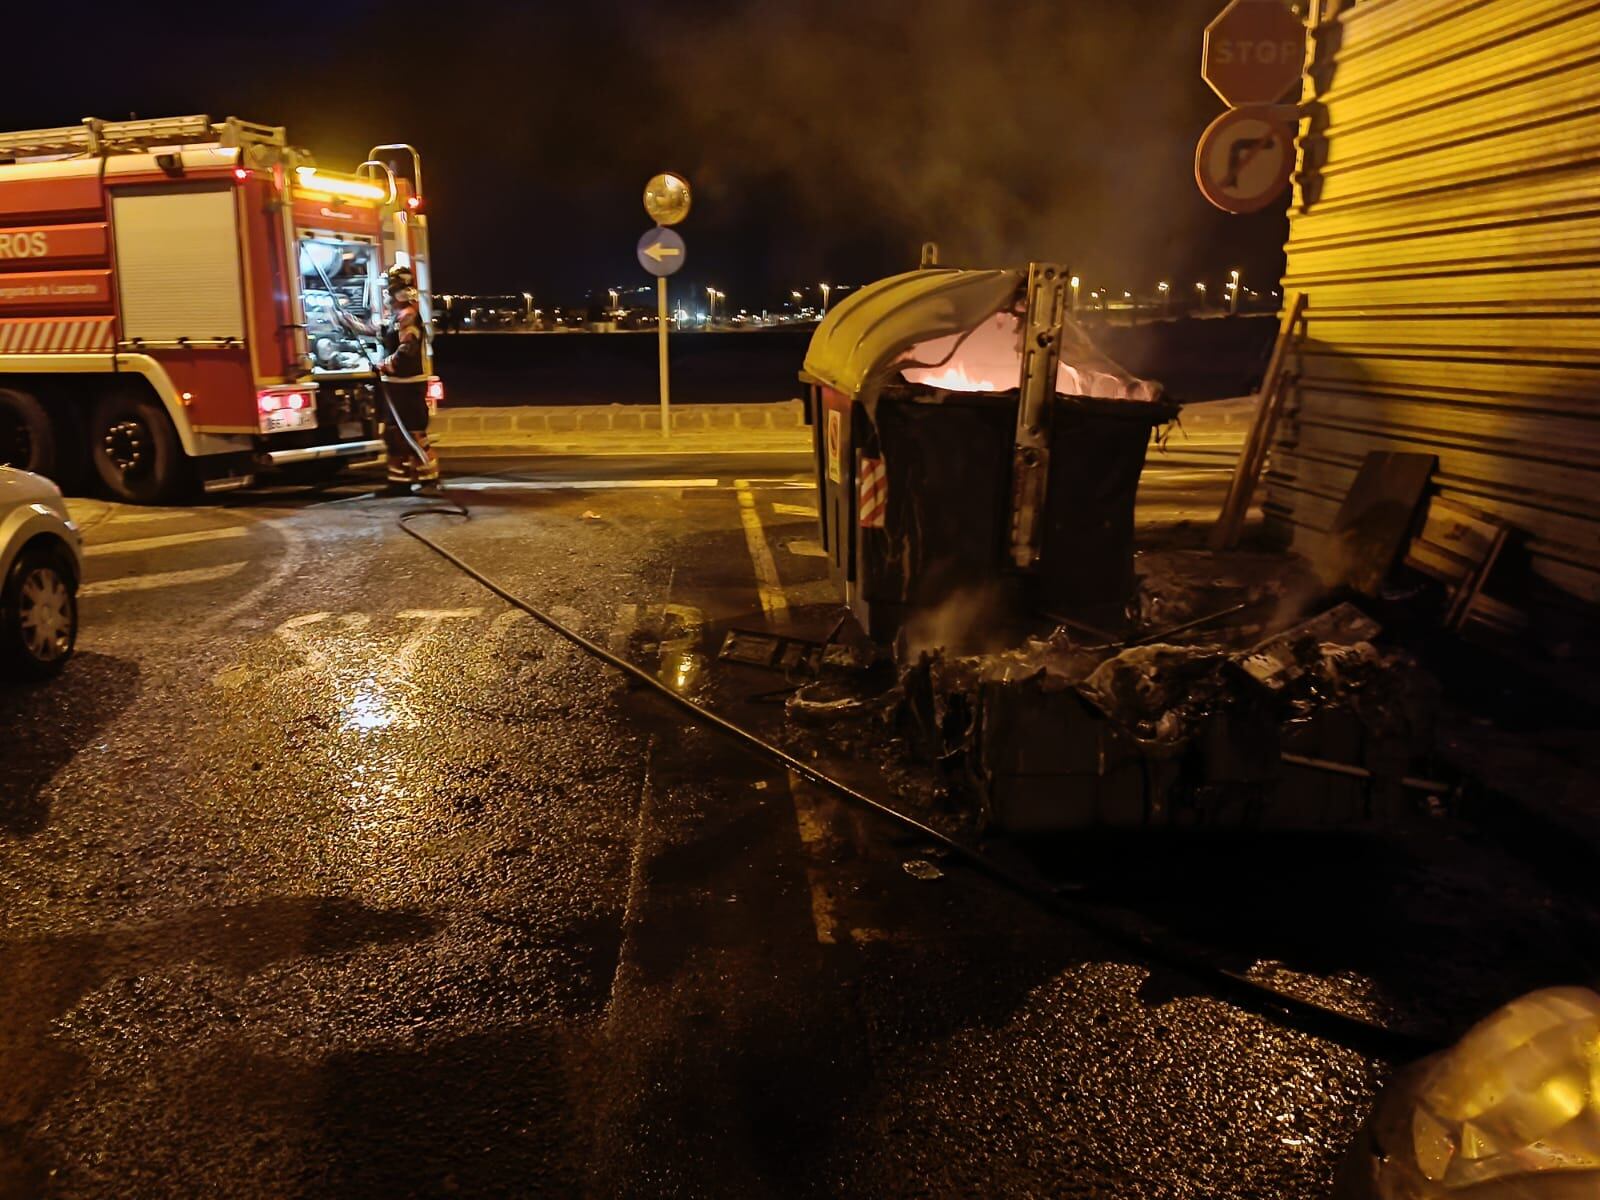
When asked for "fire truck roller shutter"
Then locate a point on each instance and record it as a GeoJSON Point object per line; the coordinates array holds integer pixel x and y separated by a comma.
{"type": "Point", "coordinates": [178, 270]}
{"type": "Point", "coordinates": [179, 279]}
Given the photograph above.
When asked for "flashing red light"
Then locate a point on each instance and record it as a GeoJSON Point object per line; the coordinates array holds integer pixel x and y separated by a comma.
{"type": "Point", "coordinates": [413, 202]}
{"type": "Point", "coordinates": [241, 174]}
{"type": "Point", "coordinates": [435, 392]}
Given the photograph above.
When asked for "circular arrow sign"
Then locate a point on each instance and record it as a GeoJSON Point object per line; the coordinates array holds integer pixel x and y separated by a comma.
{"type": "Point", "coordinates": [661, 252]}
{"type": "Point", "coordinates": [1244, 159]}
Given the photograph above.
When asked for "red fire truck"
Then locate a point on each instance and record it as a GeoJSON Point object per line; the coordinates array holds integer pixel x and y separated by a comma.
{"type": "Point", "coordinates": [167, 302]}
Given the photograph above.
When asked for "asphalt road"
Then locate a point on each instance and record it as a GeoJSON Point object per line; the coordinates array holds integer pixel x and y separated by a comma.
{"type": "Point", "coordinates": [325, 873]}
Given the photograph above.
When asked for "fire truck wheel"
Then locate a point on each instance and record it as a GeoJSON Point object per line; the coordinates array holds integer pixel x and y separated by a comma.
{"type": "Point", "coordinates": [27, 439]}
{"type": "Point", "coordinates": [136, 450]}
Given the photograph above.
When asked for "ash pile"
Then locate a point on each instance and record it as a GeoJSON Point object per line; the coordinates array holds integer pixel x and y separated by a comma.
{"type": "Point", "coordinates": [1313, 727]}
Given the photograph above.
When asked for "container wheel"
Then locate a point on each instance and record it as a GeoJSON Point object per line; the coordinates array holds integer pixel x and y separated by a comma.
{"type": "Point", "coordinates": [38, 615]}
{"type": "Point", "coordinates": [27, 438]}
{"type": "Point", "coordinates": [135, 450]}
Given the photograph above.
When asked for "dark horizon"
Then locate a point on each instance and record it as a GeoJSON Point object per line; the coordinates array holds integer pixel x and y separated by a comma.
{"type": "Point", "coordinates": [824, 143]}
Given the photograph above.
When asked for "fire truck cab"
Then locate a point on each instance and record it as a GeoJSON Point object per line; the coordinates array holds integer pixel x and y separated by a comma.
{"type": "Point", "coordinates": [168, 300]}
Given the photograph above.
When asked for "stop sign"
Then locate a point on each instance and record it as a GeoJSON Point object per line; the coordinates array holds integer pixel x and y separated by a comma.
{"type": "Point", "coordinates": [1254, 51]}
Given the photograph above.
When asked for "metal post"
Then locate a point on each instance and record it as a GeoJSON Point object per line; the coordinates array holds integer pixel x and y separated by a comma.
{"type": "Point", "coordinates": [1041, 356]}
{"type": "Point", "coordinates": [661, 340]}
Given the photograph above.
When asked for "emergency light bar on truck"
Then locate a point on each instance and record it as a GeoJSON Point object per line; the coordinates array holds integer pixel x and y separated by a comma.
{"type": "Point", "coordinates": [172, 295]}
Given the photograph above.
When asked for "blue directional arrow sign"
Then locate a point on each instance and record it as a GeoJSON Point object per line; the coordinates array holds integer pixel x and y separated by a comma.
{"type": "Point", "coordinates": [661, 251]}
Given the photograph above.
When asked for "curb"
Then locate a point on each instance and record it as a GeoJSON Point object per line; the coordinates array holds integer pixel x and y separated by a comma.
{"type": "Point", "coordinates": [535, 425]}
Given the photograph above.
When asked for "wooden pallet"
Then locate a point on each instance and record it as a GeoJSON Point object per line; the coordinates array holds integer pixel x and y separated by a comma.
{"type": "Point", "coordinates": [1459, 547]}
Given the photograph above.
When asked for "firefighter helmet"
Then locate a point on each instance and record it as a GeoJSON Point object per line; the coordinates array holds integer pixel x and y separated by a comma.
{"type": "Point", "coordinates": [401, 278]}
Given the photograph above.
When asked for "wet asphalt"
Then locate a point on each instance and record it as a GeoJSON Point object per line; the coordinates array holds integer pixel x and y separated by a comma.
{"type": "Point", "coordinates": [325, 873]}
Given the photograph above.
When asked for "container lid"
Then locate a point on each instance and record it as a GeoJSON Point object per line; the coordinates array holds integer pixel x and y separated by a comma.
{"type": "Point", "coordinates": [859, 341]}
{"type": "Point", "coordinates": [953, 331]}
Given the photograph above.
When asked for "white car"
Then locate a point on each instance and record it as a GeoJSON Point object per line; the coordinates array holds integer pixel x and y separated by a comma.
{"type": "Point", "coordinates": [41, 562]}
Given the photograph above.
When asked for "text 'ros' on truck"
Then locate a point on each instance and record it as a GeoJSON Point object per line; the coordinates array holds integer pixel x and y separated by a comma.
{"type": "Point", "coordinates": [167, 302]}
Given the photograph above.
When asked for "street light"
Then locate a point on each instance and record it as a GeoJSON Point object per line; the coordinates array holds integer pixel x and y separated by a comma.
{"type": "Point", "coordinates": [1165, 289]}
{"type": "Point", "coordinates": [613, 294]}
{"type": "Point", "coordinates": [1233, 293]}
{"type": "Point", "coordinates": [711, 303]}
{"type": "Point", "coordinates": [826, 288]}
{"type": "Point", "coordinates": [1075, 281]}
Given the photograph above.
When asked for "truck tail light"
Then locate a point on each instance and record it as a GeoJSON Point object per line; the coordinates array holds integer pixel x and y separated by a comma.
{"type": "Point", "coordinates": [278, 411]}
{"type": "Point", "coordinates": [435, 393]}
{"type": "Point", "coordinates": [241, 174]}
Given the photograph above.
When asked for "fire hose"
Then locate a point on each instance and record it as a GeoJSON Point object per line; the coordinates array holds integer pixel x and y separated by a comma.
{"type": "Point", "coordinates": [1233, 987]}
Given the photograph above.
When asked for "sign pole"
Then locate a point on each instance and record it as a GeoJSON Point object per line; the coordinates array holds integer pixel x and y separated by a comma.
{"type": "Point", "coordinates": [661, 252]}
{"type": "Point", "coordinates": [661, 341]}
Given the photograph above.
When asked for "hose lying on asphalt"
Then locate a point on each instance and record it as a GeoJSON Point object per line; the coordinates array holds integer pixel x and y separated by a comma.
{"type": "Point", "coordinates": [1355, 1033]}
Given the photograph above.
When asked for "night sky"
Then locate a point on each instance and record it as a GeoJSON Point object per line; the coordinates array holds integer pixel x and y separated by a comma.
{"type": "Point", "coordinates": [825, 139]}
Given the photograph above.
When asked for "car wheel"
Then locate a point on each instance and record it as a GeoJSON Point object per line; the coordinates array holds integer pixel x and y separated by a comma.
{"type": "Point", "coordinates": [135, 450]}
{"type": "Point", "coordinates": [27, 439]}
{"type": "Point", "coordinates": [38, 615]}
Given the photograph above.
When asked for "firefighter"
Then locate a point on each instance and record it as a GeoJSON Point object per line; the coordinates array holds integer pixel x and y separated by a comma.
{"type": "Point", "coordinates": [403, 384]}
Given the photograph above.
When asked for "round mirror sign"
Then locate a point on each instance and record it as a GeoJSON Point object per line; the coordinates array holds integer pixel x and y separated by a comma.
{"type": "Point", "coordinates": [666, 198]}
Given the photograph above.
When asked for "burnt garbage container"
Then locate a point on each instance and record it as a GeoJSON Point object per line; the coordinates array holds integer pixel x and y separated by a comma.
{"type": "Point", "coordinates": [915, 387]}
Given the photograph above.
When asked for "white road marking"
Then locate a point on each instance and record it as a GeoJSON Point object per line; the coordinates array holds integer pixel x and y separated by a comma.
{"type": "Point", "coordinates": [814, 836]}
{"type": "Point", "coordinates": [134, 545]}
{"type": "Point", "coordinates": [130, 516]}
{"type": "Point", "coordinates": [622, 631]}
{"type": "Point", "coordinates": [805, 548]}
{"type": "Point", "coordinates": [287, 567]}
{"type": "Point", "coordinates": [489, 654]}
{"type": "Point", "coordinates": [312, 658]}
{"type": "Point", "coordinates": [768, 586]}
{"type": "Point", "coordinates": [160, 579]}
{"type": "Point", "coordinates": [575, 485]}
{"type": "Point", "coordinates": [404, 659]}
{"type": "Point", "coordinates": [794, 510]}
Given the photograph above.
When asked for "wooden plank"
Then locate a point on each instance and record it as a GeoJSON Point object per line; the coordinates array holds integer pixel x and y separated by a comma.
{"type": "Point", "coordinates": [1461, 603]}
{"type": "Point", "coordinates": [1230, 521]}
{"type": "Point", "coordinates": [1468, 534]}
{"type": "Point", "coordinates": [1378, 515]}
{"type": "Point", "coordinates": [1437, 563]}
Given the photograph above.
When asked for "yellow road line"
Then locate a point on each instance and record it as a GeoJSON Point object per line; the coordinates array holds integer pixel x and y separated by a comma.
{"type": "Point", "coordinates": [794, 510]}
{"type": "Point", "coordinates": [773, 602]}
